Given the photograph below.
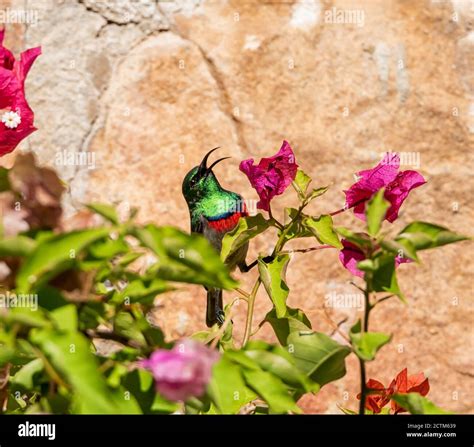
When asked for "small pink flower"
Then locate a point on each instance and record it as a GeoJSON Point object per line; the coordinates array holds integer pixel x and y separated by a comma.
{"type": "Point", "coordinates": [350, 255]}
{"type": "Point", "coordinates": [385, 174]}
{"type": "Point", "coordinates": [182, 372]}
{"type": "Point", "coordinates": [272, 175]}
{"type": "Point", "coordinates": [16, 115]}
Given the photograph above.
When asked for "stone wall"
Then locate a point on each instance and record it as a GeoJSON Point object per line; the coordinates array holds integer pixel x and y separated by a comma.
{"type": "Point", "coordinates": [145, 88]}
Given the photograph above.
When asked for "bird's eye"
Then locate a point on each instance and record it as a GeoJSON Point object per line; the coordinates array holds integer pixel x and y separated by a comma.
{"type": "Point", "coordinates": [193, 181]}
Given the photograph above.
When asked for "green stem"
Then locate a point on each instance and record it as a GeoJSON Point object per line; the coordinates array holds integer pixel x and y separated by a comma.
{"type": "Point", "coordinates": [50, 369]}
{"type": "Point", "coordinates": [363, 387]}
{"type": "Point", "coordinates": [305, 250]}
{"type": "Point", "coordinates": [251, 298]}
{"type": "Point", "coordinates": [364, 328]}
{"type": "Point", "coordinates": [281, 240]}
{"type": "Point", "coordinates": [270, 214]}
{"type": "Point", "coordinates": [250, 308]}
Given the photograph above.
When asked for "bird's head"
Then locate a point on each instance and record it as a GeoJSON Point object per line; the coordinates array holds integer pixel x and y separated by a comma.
{"type": "Point", "coordinates": [201, 181]}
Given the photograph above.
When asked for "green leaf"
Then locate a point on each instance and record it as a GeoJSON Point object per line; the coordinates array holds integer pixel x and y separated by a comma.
{"type": "Point", "coordinates": [246, 229]}
{"type": "Point", "coordinates": [160, 405]}
{"type": "Point", "coordinates": [185, 258]}
{"type": "Point", "coordinates": [51, 404]}
{"type": "Point", "coordinates": [25, 377]}
{"type": "Point", "coordinates": [316, 192]}
{"type": "Point", "coordinates": [273, 276]}
{"type": "Point", "coordinates": [126, 326]}
{"type": "Point", "coordinates": [375, 212]}
{"type": "Point", "coordinates": [50, 298]}
{"type": "Point", "coordinates": [294, 320]}
{"type": "Point", "coordinates": [71, 357]}
{"type": "Point", "coordinates": [320, 357]}
{"type": "Point", "coordinates": [296, 228]}
{"type": "Point", "coordinates": [361, 240]}
{"type": "Point", "coordinates": [367, 344]}
{"type": "Point", "coordinates": [128, 258]}
{"type": "Point", "coordinates": [140, 384]}
{"type": "Point", "coordinates": [55, 255]}
{"type": "Point", "coordinates": [27, 316]}
{"type": "Point", "coordinates": [142, 291]}
{"type": "Point", "coordinates": [402, 248]}
{"type": "Point", "coordinates": [302, 181]}
{"type": "Point", "coordinates": [424, 235]}
{"type": "Point", "coordinates": [272, 390]}
{"type": "Point", "coordinates": [384, 277]}
{"type": "Point", "coordinates": [116, 373]}
{"type": "Point", "coordinates": [17, 246]}
{"type": "Point", "coordinates": [322, 229]}
{"type": "Point", "coordinates": [240, 357]}
{"type": "Point", "coordinates": [347, 410]}
{"type": "Point", "coordinates": [108, 212]}
{"type": "Point", "coordinates": [415, 403]}
{"type": "Point", "coordinates": [91, 315]}
{"type": "Point", "coordinates": [366, 265]}
{"type": "Point", "coordinates": [65, 317]}
{"type": "Point", "coordinates": [6, 354]}
{"type": "Point", "coordinates": [227, 388]}
{"type": "Point", "coordinates": [4, 182]}
{"type": "Point", "coordinates": [280, 363]}
{"type": "Point", "coordinates": [108, 248]}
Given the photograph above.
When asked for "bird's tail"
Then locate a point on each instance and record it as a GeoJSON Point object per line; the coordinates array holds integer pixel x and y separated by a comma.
{"type": "Point", "coordinates": [215, 309]}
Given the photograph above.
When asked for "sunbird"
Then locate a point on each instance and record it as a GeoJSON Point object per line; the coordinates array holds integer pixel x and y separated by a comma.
{"type": "Point", "coordinates": [214, 211]}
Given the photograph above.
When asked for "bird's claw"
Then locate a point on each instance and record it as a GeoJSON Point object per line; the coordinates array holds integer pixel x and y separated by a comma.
{"type": "Point", "coordinates": [220, 315]}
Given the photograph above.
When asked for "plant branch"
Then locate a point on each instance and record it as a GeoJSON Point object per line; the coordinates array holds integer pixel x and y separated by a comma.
{"type": "Point", "coordinates": [364, 328]}
{"type": "Point", "coordinates": [220, 332]}
{"type": "Point", "coordinates": [357, 287]}
{"type": "Point", "coordinates": [334, 213]}
{"type": "Point", "coordinates": [363, 387]}
{"type": "Point", "coordinates": [345, 207]}
{"type": "Point", "coordinates": [250, 308]}
{"type": "Point", "coordinates": [281, 240]}
{"type": "Point", "coordinates": [50, 369]}
{"type": "Point", "coordinates": [251, 298]}
{"type": "Point", "coordinates": [335, 326]}
{"type": "Point", "coordinates": [270, 214]}
{"type": "Point", "coordinates": [305, 250]}
{"type": "Point", "coordinates": [382, 299]}
{"type": "Point", "coordinates": [112, 336]}
{"type": "Point", "coordinates": [245, 296]}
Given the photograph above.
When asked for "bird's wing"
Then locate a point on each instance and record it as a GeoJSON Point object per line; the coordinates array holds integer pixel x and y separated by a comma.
{"type": "Point", "coordinates": [196, 227]}
{"type": "Point", "coordinates": [199, 225]}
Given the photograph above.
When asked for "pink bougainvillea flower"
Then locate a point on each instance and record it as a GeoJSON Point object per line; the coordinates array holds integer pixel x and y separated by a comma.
{"type": "Point", "coordinates": [182, 372]}
{"type": "Point", "coordinates": [272, 175]}
{"type": "Point", "coordinates": [402, 384]}
{"type": "Point", "coordinates": [16, 116]}
{"type": "Point", "coordinates": [385, 175]}
{"type": "Point", "coordinates": [350, 255]}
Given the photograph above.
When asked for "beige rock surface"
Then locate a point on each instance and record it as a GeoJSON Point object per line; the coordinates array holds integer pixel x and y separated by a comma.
{"type": "Point", "coordinates": [146, 89]}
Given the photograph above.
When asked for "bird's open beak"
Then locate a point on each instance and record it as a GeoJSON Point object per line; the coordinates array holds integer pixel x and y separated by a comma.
{"type": "Point", "coordinates": [203, 169]}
